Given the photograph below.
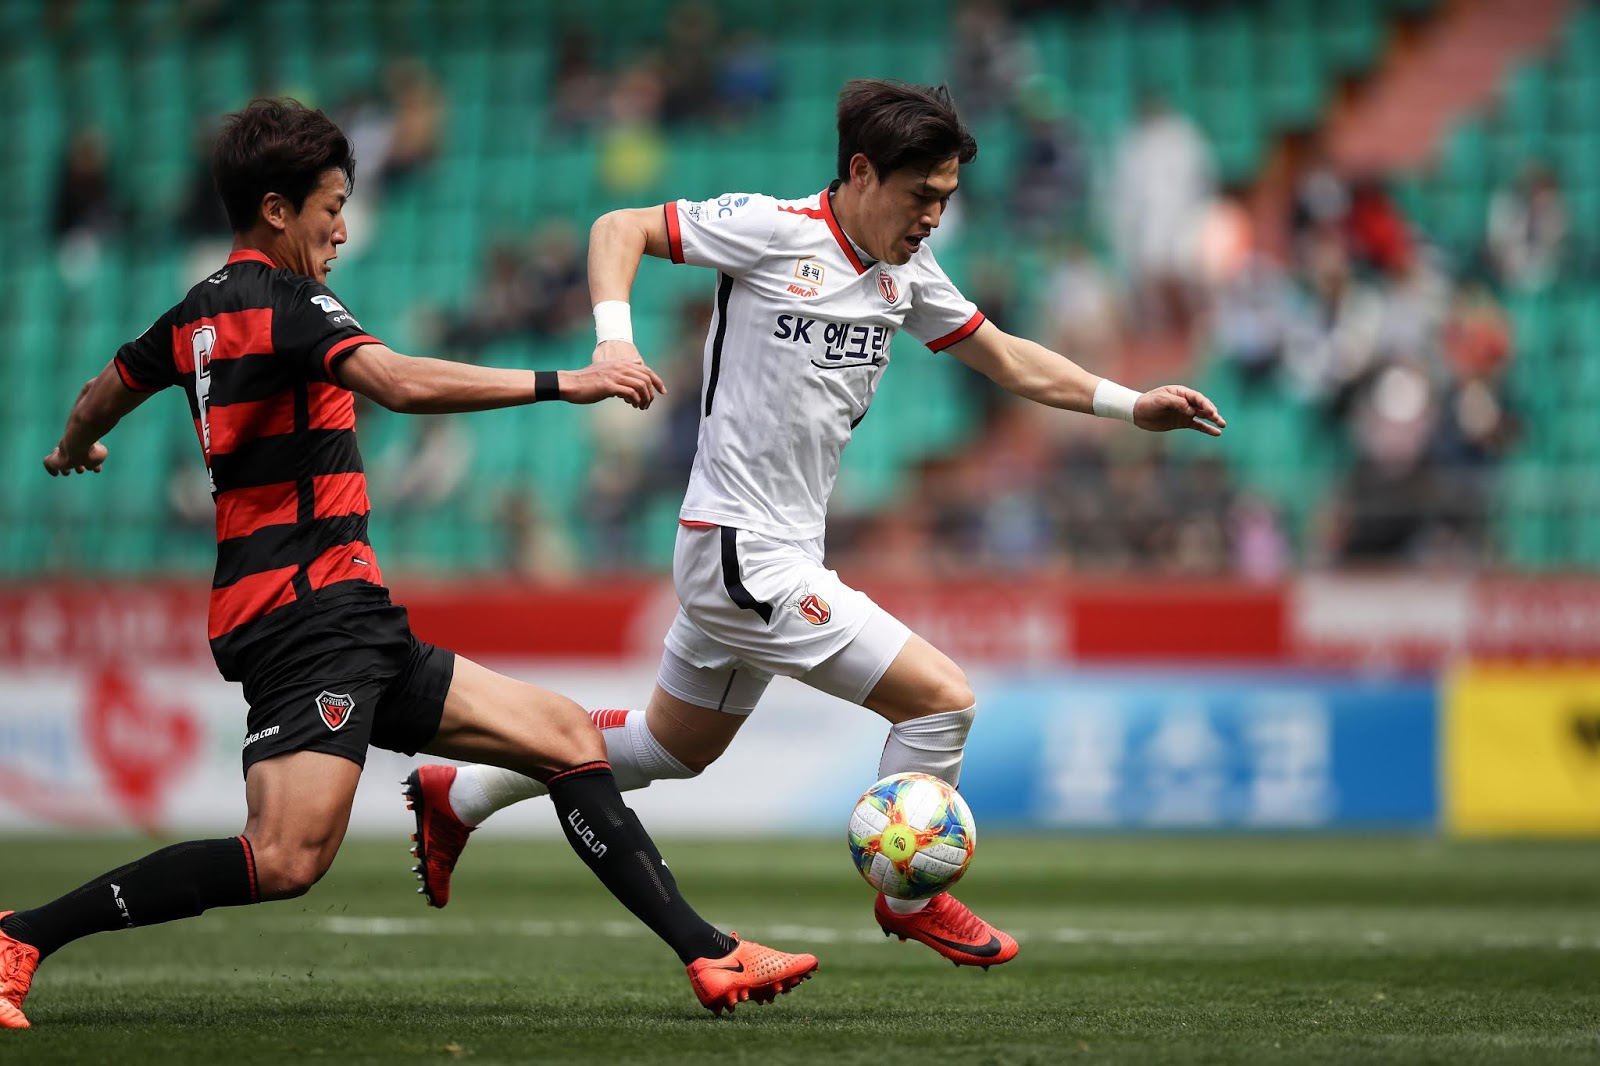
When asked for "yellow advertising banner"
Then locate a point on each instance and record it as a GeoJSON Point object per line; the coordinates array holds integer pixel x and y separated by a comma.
{"type": "Point", "coordinates": [1522, 751]}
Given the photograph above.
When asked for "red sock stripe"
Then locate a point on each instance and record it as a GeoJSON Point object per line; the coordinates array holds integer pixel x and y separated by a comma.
{"type": "Point", "coordinates": [609, 718]}
{"type": "Point", "coordinates": [250, 865]}
{"type": "Point", "coordinates": [584, 768]}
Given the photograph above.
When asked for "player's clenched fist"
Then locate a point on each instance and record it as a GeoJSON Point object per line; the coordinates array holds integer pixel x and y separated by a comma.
{"type": "Point", "coordinates": [1177, 407]}
{"type": "Point", "coordinates": [634, 382]}
{"type": "Point", "coordinates": [59, 462]}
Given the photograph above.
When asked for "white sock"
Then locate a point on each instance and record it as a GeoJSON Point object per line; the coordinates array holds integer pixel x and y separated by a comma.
{"type": "Point", "coordinates": [905, 906]}
{"type": "Point", "coordinates": [636, 758]}
{"type": "Point", "coordinates": [933, 744]}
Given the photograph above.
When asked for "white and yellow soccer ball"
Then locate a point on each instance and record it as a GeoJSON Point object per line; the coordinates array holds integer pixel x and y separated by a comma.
{"type": "Point", "coordinates": [912, 836]}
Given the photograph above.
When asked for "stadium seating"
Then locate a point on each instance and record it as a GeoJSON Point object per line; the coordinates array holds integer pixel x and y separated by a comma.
{"type": "Point", "coordinates": [147, 77]}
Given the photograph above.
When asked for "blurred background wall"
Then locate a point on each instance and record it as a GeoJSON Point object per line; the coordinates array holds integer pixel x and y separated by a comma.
{"type": "Point", "coordinates": [1369, 230]}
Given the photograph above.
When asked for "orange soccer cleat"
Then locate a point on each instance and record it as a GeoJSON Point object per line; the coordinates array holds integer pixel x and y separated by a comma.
{"type": "Point", "coordinates": [948, 927]}
{"type": "Point", "coordinates": [749, 972]}
{"type": "Point", "coordinates": [17, 963]}
{"type": "Point", "coordinates": [440, 835]}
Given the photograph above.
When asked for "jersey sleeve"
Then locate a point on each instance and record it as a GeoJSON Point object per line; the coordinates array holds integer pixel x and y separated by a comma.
{"type": "Point", "coordinates": [940, 316]}
{"type": "Point", "coordinates": [146, 364]}
{"type": "Point", "coordinates": [729, 233]}
{"type": "Point", "coordinates": [312, 329]}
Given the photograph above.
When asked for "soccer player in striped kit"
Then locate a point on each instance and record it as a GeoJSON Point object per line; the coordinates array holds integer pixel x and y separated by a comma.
{"type": "Point", "coordinates": [268, 358]}
{"type": "Point", "coordinates": [809, 295]}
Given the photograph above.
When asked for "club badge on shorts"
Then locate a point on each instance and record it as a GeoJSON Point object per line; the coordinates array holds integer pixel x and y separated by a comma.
{"type": "Point", "coordinates": [335, 708]}
{"type": "Point", "coordinates": [814, 609]}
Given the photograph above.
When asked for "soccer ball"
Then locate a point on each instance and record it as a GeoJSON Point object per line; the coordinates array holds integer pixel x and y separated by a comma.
{"type": "Point", "coordinates": [911, 836]}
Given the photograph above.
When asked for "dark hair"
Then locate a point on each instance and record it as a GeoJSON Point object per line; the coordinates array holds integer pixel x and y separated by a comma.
{"type": "Point", "coordinates": [898, 125]}
{"type": "Point", "coordinates": [278, 146]}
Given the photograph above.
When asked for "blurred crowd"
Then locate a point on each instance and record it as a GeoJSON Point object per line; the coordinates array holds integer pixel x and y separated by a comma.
{"type": "Point", "coordinates": [1392, 352]}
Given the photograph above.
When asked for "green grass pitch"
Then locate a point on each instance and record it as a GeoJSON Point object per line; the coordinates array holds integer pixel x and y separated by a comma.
{"type": "Point", "coordinates": [1152, 950]}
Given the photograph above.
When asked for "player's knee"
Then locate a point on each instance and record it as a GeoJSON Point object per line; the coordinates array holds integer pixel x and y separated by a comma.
{"type": "Point", "coordinates": [284, 871]}
{"type": "Point", "coordinates": [572, 736]}
{"type": "Point", "coordinates": [949, 691]}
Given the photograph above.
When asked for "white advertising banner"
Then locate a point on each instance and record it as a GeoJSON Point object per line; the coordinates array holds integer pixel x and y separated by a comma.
{"type": "Point", "coordinates": [120, 746]}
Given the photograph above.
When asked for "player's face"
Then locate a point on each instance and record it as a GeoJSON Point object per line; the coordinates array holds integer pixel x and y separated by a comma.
{"type": "Point", "coordinates": [315, 232]}
{"type": "Point", "coordinates": [906, 207]}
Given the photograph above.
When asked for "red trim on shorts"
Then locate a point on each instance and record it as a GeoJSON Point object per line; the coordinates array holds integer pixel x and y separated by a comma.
{"type": "Point", "coordinates": [609, 718]}
{"type": "Point", "coordinates": [696, 525]}
{"type": "Point", "coordinates": [582, 768]}
{"type": "Point", "coordinates": [956, 336]}
{"type": "Point", "coordinates": [250, 867]}
{"type": "Point", "coordinates": [674, 232]}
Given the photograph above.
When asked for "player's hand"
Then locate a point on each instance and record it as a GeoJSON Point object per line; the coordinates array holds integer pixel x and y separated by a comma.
{"type": "Point", "coordinates": [634, 382]}
{"type": "Point", "coordinates": [617, 352]}
{"type": "Point", "coordinates": [59, 462]}
{"type": "Point", "coordinates": [1177, 407]}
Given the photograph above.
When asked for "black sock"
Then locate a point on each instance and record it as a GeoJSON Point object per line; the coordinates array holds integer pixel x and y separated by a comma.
{"type": "Point", "coordinates": [176, 882]}
{"type": "Point", "coordinates": [607, 836]}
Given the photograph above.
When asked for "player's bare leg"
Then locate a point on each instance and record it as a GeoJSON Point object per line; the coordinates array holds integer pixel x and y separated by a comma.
{"type": "Point", "coordinates": [531, 731]}
{"type": "Point", "coordinates": [926, 699]}
{"type": "Point", "coordinates": [299, 806]}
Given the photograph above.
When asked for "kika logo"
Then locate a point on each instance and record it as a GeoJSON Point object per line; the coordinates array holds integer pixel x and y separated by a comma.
{"type": "Point", "coordinates": [814, 609]}
{"type": "Point", "coordinates": [335, 708]}
{"type": "Point", "coordinates": [887, 287]}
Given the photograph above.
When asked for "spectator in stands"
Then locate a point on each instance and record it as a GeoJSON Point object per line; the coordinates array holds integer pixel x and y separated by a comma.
{"type": "Point", "coordinates": [1254, 315]}
{"type": "Point", "coordinates": [418, 109]}
{"type": "Point", "coordinates": [632, 145]}
{"type": "Point", "coordinates": [499, 309]}
{"type": "Point", "coordinates": [1084, 309]}
{"type": "Point", "coordinates": [1387, 507]}
{"type": "Point", "coordinates": [86, 207]}
{"type": "Point", "coordinates": [1333, 346]}
{"type": "Point", "coordinates": [1050, 190]}
{"type": "Point", "coordinates": [747, 82]}
{"type": "Point", "coordinates": [990, 59]}
{"type": "Point", "coordinates": [578, 97]}
{"type": "Point", "coordinates": [1476, 426]}
{"type": "Point", "coordinates": [1162, 183]}
{"type": "Point", "coordinates": [1527, 229]}
{"type": "Point", "coordinates": [423, 470]}
{"type": "Point", "coordinates": [692, 63]}
{"type": "Point", "coordinates": [537, 548]}
{"type": "Point", "coordinates": [1378, 235]}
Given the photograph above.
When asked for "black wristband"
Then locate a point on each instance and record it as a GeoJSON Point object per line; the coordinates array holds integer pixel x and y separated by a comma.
{"type": "Point", "coordinates": [546, 385]}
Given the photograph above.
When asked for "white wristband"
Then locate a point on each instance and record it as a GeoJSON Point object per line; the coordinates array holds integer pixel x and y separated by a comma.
{"type": "Point", "coordinates": [613, 321]}
{"type": "Point", "coordinates": [1114, 401]}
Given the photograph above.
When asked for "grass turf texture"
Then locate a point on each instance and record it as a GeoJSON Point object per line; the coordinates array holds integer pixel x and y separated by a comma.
{"type": "Point", "coordinates": [1179, 949]}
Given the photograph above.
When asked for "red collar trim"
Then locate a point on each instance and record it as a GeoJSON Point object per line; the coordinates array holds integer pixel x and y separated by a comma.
{"type": "Point", "coordinates": [838, 233]}
{"type": "Point", "coordinates": [251, 254]}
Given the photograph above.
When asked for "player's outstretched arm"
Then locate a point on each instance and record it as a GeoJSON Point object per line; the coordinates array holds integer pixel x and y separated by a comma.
{"type": "Point", "coordinates": [415, 385]}
{"type": "Point", "coordinates": [618, 242]}
{"type": "Point", "coordinates": [1034, 372]}
{"type": "Point", "coordinates": [101, 404]}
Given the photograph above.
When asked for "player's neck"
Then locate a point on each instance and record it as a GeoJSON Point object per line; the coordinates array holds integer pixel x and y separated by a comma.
{"type": "Point", "coordinates": [255, 241]}
{"type": "Point", "coordinates": [846, 205]}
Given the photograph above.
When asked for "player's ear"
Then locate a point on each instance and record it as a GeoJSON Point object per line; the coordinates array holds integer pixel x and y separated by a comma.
{"type": "Point", "coordinates": [861, 172]}
{"type": "Point", "coordinates": [275, 210]}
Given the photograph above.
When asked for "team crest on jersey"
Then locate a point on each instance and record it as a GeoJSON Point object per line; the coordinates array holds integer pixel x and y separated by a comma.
{"type": "Point", "coordinates": [887, 287]}
{"type": "Point", "coordinates": [335, 708]}
{"type": "Point", "coordinates": [814, 609]}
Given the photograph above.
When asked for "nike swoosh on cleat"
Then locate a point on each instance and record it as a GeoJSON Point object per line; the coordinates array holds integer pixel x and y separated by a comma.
{"type": "Point", "coordinates": [740, 968]}
{"type": "Point", "coordinates": [982, 951]}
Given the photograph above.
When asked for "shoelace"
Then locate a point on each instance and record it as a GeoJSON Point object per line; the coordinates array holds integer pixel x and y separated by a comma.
{"type": "Point", "coordinates": [956, 918]}
{"type": "Point", "coordinates": [13, 961]}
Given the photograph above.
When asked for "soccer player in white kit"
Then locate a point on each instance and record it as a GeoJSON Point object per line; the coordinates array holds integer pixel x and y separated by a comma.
{"type": "Point", "coordinates": [810, 293]}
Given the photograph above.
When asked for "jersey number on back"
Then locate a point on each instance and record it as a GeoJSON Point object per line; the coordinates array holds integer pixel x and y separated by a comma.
{"type": "Point", "coordinates": [202, 342]}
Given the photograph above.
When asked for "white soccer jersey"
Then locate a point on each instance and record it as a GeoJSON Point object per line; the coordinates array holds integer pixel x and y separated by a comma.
{"type": "Point", "coordinates": [798, 344]}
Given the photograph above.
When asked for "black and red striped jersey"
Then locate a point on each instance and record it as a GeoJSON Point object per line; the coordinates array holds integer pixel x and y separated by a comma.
{"type": "Point", "coordinates": [254, 346]}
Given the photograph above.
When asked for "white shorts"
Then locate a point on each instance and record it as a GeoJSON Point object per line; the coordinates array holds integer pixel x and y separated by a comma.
{"type": "Point", "coordinates": [751, 608]}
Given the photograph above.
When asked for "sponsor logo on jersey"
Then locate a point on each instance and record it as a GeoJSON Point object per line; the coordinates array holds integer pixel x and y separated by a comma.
{"type": "Point", "coordinates": [262, 734]}
{"type": "Point", "coordinates": [809, 270]}
{"type": "Point", "coordinates": [335, 311]}
{"type": "Point", "coordinates": [887, 287]}
{"type": "Point", "coordinates": [796, 290]}
{"type": "Point", "coordinates": [335, 708]}
{"type": "Point", "coordinates": [814, 609]}
{"type": "Point", "coordinates": [696, 211]}
{"type": "Point", "coordinates": [727, 205]}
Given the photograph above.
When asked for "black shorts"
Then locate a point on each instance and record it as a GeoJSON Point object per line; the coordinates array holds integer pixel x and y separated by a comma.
{"type": "Point", "coordinates": [345, 676]}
